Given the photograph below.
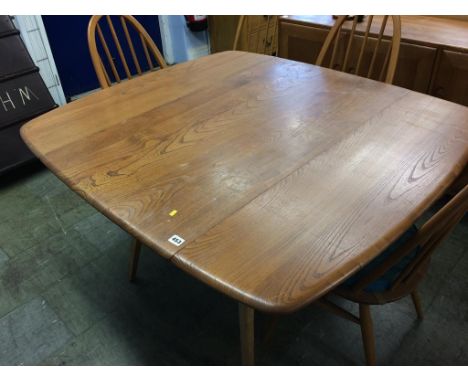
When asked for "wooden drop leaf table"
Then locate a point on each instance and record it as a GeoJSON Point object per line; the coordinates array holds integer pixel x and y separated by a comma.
{"type": "Point", "coordinates": [287, 178]}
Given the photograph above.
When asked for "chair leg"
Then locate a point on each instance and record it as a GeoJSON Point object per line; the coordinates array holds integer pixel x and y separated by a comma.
{"type": "Point", "coordinates": [246, 325]}
{"type": "Point", "coordinates": [367, 332]}
{"type": "Point", "coordinates": [136, 247]}
{"type": "Point", "coordinates": [417, 304]}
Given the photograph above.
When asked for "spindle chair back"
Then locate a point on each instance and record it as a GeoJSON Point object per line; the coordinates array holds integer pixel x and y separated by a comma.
{"type": "Point", "coordinates": [398, 273]}
{"type": "Point", "coordinates": [343, 59]}
{"type": "Point", "coordinates": [126, 56]}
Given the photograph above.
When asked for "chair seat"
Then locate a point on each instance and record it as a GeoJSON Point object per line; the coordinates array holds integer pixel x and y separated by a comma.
{"type": "Point", "coordinates": [384, 283]}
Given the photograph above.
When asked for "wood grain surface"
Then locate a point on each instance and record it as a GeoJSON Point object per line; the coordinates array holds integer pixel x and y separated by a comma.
{"type": "Point", "coordinates": [433, 31]}
{"type": "Point", "coordinates": [285, 177]}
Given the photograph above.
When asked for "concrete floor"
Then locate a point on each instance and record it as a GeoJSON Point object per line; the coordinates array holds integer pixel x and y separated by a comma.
{"type": "Point", "coordinates": [65, 299]}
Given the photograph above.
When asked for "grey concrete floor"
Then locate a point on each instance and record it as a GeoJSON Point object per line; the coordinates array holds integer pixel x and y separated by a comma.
{"type": "Point", "coordinates": [65, 299]}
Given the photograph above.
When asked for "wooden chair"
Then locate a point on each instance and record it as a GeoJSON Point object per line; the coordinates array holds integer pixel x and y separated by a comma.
{"type": "Point", "coordinates": [147, 45]}
{"type": "Point", "coordinates": [365, 62]}
{"type": "Point", "coordinates": [258, 39]}
{"type": "Point", "coordinates": [396, 272]}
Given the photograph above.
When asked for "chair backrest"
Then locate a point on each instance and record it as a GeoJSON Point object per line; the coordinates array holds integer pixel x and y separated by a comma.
{"type": "Point", "coordinates": [132, 66]}
{"type": "Point", "coordinates": [363, 63]}
{"type": "Point", "coordinates": [259, 40]}
{"type": "Point", "coordinates": [423, 243]}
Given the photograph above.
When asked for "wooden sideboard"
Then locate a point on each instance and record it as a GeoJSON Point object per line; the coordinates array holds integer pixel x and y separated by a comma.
{"type": "Point", "coordinates": [433, 55]}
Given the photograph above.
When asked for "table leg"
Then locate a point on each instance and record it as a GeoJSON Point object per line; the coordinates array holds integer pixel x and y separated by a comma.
{"type": "Point", "coordinates": [246, 325]}
{"type": "Point", "coordinates": [136, 248]}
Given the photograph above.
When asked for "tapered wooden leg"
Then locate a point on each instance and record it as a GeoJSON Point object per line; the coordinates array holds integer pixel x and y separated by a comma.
{"type": "Point", "coordinates": [246, 325]}
{"type": "Point", "coordinates": [417, 304]}
{"type": "Point", "coordinates": [136, 247]}
{"type": "Point", "coordinates": [367, 333]}
{"type": "Point", "coordinates": [271, 326]}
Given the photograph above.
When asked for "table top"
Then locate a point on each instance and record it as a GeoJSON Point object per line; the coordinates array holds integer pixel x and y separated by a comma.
{"type": "Point", "coordinates": [429, 30]}
{"type": "Point", "coordinates": [279, 178]}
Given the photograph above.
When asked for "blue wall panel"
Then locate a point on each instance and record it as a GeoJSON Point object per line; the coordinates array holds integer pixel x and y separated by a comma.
{"type": "Point", "coordinates": [68, 41]}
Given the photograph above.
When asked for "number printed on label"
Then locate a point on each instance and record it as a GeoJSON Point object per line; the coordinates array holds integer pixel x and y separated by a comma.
{"type": "Point", "coordinates": [176, 240]}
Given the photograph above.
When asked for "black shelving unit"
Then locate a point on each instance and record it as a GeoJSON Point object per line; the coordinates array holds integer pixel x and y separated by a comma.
{"type": "Point", "coordinates": [23, 96]}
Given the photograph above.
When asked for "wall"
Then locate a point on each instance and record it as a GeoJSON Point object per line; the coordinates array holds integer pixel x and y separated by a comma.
{"type": "Point", "coordinates": [68, 41]}
{"type": "Point", "coordinates": [179, 43]}
{"type": "Point", "coordinates": [35, 38]}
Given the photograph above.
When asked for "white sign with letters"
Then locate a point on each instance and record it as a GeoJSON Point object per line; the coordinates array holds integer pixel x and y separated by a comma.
{"type": "Point", "coordinates": [176, 240]}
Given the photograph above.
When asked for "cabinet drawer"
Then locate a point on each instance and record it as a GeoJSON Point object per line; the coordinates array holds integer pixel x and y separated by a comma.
{"type": "Point", "coordinates": [13, 151]}
{"type": "Point", "coordinates": [415, 67]}
{"type": "Point", "coordinates": [6, 26]}
{"type": "Point", "coordinates": [22, 98]}
{"type": "Point", "coordinates": [451, 78]}
{"type": "Point", "coordinates": [16, 60]}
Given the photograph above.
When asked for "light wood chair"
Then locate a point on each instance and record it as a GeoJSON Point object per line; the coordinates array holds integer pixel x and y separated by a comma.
{"type": "Point", "coordinates": [148, 47]}
{"type": "Point", "coordinates": [396, 272]}
{"type": "Point", "coordinates": [240, 24]}
{"type": "Point", "coordinates": [365, 62]}
{"type": "Point", "coordinates": [260, 36]}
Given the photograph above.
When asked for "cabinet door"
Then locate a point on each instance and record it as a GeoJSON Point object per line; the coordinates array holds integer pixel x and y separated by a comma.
{"type": "Point", "coordinates": [414, 67]}
{"type": "Point", "coordinates": [301, 43]}
{"type": "Point", "coordinates": [369, 49]}
{"type": "Point", "coordinates": [258, 40]}
{"type": "Point", "coordinates": [415, 62]}
{"type": "Point", "coordinates": [222, 31]}
{"type": "Point", "coordinates": [272, 37]}
{"type": "Point", "coordinates": [451, 79]}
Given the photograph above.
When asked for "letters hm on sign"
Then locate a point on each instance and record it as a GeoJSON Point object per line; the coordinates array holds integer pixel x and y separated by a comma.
{"type": "Point", "coordinates": [15, 98]}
